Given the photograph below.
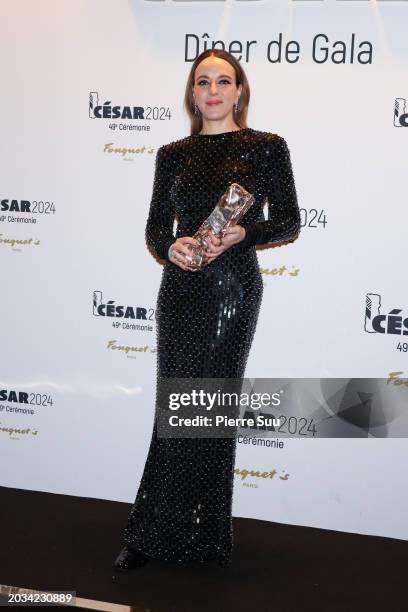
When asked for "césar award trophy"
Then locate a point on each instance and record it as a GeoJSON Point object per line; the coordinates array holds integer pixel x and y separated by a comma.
{"type": "Point", "coordinates": [230, 209]}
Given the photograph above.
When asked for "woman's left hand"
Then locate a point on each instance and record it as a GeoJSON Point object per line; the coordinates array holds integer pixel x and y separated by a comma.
{"type": "Point", "coordinates": [218, 245]}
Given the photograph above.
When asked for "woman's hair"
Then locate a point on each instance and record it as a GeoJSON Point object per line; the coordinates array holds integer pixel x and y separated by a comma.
{"type": "Point", "coordinates": [240, 117]}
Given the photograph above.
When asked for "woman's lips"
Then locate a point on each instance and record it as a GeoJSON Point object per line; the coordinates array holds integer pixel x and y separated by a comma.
{"type": "Point", "coordinates": [214, 103]}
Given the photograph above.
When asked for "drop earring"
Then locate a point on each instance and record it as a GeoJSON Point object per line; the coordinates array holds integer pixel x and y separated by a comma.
{"type": "Point", "coordinates": [196, 109]}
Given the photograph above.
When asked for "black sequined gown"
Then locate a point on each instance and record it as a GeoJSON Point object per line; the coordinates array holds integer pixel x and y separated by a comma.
{"type": "Point", "coordinates": [206, 322]}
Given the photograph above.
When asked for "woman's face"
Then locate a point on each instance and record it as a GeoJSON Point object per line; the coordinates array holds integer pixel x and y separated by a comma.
{"type": "Point", "coordinates": [214, 90]}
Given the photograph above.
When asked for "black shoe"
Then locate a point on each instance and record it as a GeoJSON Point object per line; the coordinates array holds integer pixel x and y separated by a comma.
{"type": "Point", "coordinates": [130, 558]}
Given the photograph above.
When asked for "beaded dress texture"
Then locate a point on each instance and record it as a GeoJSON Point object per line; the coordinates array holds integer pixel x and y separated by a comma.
{"type": "Point", "coordinates": [205, 325]}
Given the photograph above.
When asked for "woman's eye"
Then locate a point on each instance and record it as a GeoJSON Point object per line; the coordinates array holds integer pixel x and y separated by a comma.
{"type": "Point", "coordinates": [205, 82]}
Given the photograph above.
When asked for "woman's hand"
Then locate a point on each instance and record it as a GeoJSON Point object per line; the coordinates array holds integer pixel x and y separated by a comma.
{"type": "Point", "coordinates": [179, 250]}
{"type": "Point", "coordinates": [218, 245]}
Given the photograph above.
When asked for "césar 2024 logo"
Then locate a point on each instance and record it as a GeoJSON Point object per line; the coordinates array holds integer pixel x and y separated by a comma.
{"type": "Point", "coordinates": [376, 322]}
{"type": "Point", "coordinates": [400, 112]}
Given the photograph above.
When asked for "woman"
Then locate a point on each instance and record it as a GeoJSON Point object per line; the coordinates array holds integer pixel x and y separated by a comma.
{"type": "Point", "coordinates": [206, 319]}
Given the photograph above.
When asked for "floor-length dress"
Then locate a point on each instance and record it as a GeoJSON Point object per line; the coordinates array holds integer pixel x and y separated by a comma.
{"type": "Point", "coordinates": [205, 325]}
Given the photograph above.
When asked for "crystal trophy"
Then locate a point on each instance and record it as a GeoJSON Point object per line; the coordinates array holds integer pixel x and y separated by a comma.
{"type": "Point", "coordinates": [230, 209]}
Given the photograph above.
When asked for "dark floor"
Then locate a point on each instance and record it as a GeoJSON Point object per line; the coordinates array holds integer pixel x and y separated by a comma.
{"type": "Point", "coordinates": [59, 542]}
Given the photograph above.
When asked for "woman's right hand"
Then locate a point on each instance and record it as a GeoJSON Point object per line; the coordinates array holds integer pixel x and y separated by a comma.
{"type": "Point", "coordinates": [179, 250]}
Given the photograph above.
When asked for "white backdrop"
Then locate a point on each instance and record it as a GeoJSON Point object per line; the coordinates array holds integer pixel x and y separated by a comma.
{"type": "Point", "coordinates": [76, 405]}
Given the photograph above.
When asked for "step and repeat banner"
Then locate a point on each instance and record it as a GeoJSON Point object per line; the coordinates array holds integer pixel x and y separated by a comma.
{"type": "Point", "coordinates": [90, 90]}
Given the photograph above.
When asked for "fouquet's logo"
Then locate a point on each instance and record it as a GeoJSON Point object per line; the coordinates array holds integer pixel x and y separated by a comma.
{"type": "Point", "coordinates": [377, 323]}
{"type": "Point", "coordinates": [244, 473]}
{"type": "Point", "coordinates": [109, 111]}
{"type": "Point", "coordinates": [400, 112]}
{"type": "Point", "coordinates": [110, 309]}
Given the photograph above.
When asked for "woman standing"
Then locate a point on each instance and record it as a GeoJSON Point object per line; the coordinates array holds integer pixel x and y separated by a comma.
{"type": "Point", "coordinates": [206, 319]}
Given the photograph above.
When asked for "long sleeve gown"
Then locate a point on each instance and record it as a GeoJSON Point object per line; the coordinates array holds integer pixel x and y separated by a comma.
{"type": "Point", "coordinates": [205, 325]}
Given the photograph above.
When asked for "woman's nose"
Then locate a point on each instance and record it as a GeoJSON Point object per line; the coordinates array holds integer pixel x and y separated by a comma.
{"type": "Point", "coordinates": [213, 87]}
